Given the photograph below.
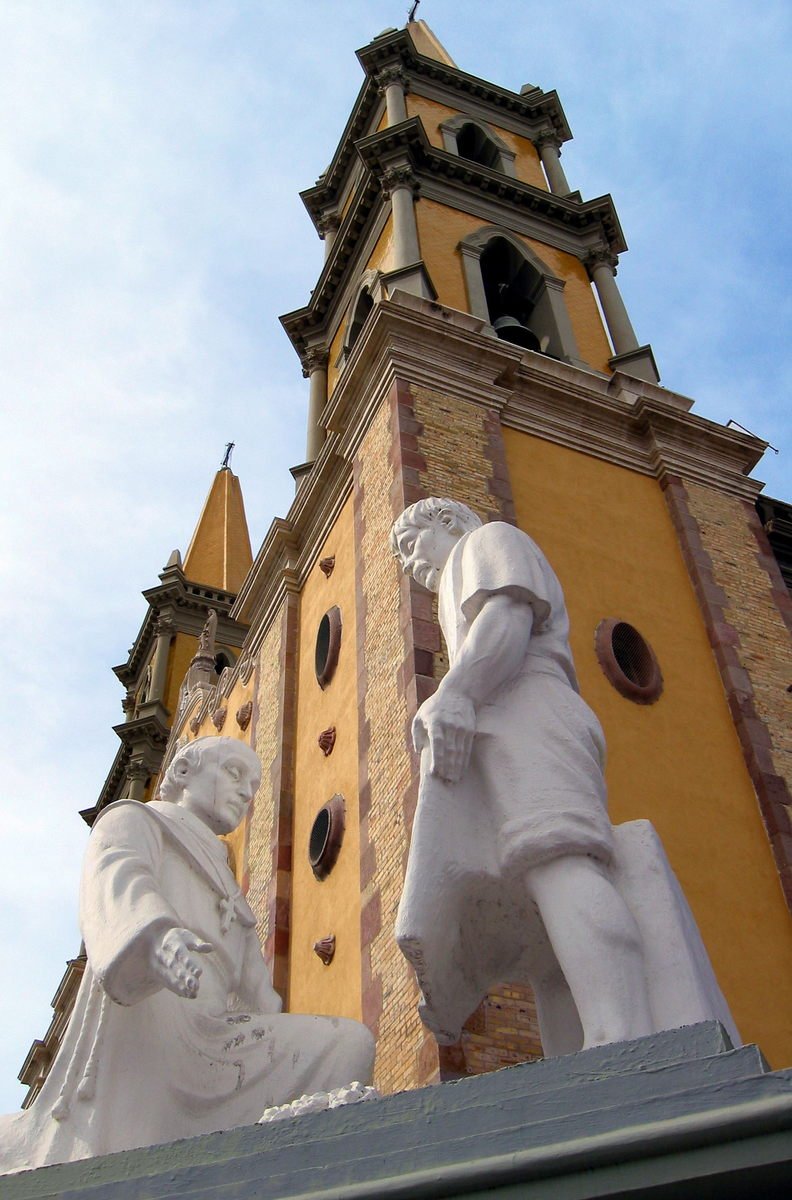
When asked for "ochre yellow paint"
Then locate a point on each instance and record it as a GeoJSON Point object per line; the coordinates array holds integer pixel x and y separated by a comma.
{"type": "Point", "coordinates": [332, 906]}
{"type": "Point", "coordinates": [608, 534]}
{"type": "Point", "coordinates": [527, 164]}
{"type": "Point", "coordinates": [219, 553]}
{"type": "Point", "coordinates": [441, 229]}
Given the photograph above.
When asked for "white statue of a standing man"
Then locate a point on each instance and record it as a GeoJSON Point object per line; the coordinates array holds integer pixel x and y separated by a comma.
{"type": "Point", "coordinates": [177, 1029]}
{"type": "Point", "coordinates": [510, 871]}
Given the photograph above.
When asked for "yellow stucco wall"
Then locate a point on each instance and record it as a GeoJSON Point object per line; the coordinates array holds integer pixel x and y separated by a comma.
{"type": "Point", "coordinates": [677, 762]}
{"type": "Point", "coordinates": [333, 905]}
{"type": "Point", "coordinates": [527, 165]}
{"type": "Point", "coordinates": [441, 229]}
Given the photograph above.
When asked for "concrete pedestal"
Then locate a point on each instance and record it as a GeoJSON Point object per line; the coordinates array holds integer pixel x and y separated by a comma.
{"type": "Point", "coordinates": [679, 1114]}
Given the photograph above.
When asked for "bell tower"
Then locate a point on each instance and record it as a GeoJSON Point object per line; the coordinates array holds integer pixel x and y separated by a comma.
{"type": "Point", "coordinates": [466, 337]}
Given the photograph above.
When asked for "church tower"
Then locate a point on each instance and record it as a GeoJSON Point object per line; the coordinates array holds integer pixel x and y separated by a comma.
{"type": "Point", "coordinates": [217, 560]}
{"type": "Point", "coordinates": [466, 337]}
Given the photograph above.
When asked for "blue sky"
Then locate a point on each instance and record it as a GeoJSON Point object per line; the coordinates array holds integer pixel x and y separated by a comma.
{"type": "Point", "coordinates": [150, 159]}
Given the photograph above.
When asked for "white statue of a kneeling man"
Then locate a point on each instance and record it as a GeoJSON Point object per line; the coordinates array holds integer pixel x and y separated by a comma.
{"type": "Point", "coordinates": [515, 871]}
{"type": "Point", "coordinates": [177, 1029]}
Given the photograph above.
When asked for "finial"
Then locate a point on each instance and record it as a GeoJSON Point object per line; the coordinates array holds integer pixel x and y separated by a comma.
{"type": "Point", "coordinates": [225, 465]}
{"type": "Point", "coordinates": [411, 14]}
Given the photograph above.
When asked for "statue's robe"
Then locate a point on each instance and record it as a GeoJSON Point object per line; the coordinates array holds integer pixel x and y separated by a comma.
{"type": "Point", "coordinates": [534, 790]}
{"type": "Point", "coordinates": [140, 1065]}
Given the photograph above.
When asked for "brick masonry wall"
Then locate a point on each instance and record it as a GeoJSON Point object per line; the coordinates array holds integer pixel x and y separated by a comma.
{"type": "Point", "coordinates": [420, 444]}
{"type": "Point", "coordinates": [406, 1055]}
{"type": "Point", "coordinates": [268, 845]}
{"type": "Point", "coordinates": [748, 613]}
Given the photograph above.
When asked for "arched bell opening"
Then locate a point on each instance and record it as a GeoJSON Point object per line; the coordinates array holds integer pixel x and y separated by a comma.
{"type": "Point", "coordinates": [363, 307]}
{"type": "Point", "coordinates": [473, 143]}
{"type": "Point", "coordinates": [514, 290]}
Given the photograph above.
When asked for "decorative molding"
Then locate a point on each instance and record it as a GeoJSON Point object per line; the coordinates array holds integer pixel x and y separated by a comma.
{"type": "Point", "coordinates": [600, 256]}
{"type": "Point", "coordinates": [326, 565]}
{"type": "Point", "coordinates": [327, 740]}
{"type": "Point", "coordinates": [325, 949]}
{"type": "Point", "coordinates": [329, 222]}
{"type": "Point", "coordinates": [243, 715]}
{"type": "Point", "coordinates": [218, 718]}
{"type": "Point", "coordinates": [195, 723]}
{"type": "Point", "coordinates": [388, 76]}
{"type": "Point", "coordinates": [546, 137]}
{"type": "Point", "coordinates": [393, 177]}
{"type": "Point", "coordinates": [313, 360]}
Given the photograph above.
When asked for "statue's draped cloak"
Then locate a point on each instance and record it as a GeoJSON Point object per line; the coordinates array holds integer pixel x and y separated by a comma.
{"type": "Point", "coordinates": [534, 790]}
{"type": "Point", "coordinates": [140, 1065]}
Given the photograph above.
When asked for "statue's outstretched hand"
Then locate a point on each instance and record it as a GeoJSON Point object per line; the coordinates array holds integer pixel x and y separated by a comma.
{"type": "Point", "coordinates": [446, 723]}
{"type": "Point", "coordinates": [173, 959]}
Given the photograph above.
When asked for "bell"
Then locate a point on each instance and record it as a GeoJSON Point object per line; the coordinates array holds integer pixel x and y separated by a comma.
{"type": "Point", "coordinates": [509, 329]}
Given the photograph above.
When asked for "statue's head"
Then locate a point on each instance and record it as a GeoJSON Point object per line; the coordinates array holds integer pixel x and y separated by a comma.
{"type": "Point", "coordinates": [215, 778]}
{"type": "Point", "coordinates": [424, 535]}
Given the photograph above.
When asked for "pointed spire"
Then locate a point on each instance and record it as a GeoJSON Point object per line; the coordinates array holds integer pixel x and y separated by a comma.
{"type": "Point", "coordinates": [427, 44]}
{"type": "Point", "coordinates": [219, 554]}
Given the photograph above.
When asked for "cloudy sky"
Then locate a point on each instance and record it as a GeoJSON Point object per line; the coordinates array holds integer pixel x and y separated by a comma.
{"type": "Point", "coordinates": [151, 152]}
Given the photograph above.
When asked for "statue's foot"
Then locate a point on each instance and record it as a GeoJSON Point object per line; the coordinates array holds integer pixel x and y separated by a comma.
{"type": "Point", "coordinates": [353, 1093]}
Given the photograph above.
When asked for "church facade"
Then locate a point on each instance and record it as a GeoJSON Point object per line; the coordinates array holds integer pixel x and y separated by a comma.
{"type": "Point", "coordinates": [466, 338]}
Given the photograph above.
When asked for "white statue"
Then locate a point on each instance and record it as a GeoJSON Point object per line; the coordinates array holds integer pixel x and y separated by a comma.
{"type": "Point", "coordinates": [515, 872]}
{"type": "Point", "coordinates": [177, 1029]}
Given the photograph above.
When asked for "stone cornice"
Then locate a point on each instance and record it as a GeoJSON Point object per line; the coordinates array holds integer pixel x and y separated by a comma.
{"type": "Point", "coordinates": [619, 419]}
{"type": "Point", "coordinates": [184, 604]}
{"type": "Point", "coordinates": [573, 226]}
{"type": "Point", "coordinates": [524, 113]}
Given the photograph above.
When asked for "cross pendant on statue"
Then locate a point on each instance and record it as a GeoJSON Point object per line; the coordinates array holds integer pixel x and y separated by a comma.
{"type": "Point", "coordinates": [227, 913]}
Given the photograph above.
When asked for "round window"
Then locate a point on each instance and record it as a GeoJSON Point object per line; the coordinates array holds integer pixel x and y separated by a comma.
{"type": "Point", "coordinates": [327, 834]}
{"type": "Point", "coordinates": [328, 644]}
{"type": "Point", "coordinates": [628, 661]}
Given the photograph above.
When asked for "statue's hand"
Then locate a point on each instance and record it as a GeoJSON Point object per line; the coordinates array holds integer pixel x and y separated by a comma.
{"type": "Point", "coordinates": [446, 722]}
{"type": "Point", "coordinates": [173, 959]}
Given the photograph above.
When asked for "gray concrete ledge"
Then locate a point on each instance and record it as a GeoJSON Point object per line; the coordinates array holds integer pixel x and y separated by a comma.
{"type": "Point", "coordinates": [679, 1114]}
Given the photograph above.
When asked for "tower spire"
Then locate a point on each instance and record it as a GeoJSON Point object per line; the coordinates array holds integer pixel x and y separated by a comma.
{"type": "Point", "coordinates": [219, 553]}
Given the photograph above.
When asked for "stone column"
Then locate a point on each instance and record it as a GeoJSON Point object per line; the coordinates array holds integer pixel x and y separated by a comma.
{"type": "Point", "coordinates": [548, 144]}
{"type": "Point", "coordinates": [392, 83]}
{"type": "Point", "coordinates": [159, 662]}
{"type": "Point", "coordinates": [137, 776]}
{"type": "Point", "coordinates": [601, 266]}
{"type": "Point", "coordinates": [128, 705]}
{"type": "Point", "coordinates": [314, 368]}
{"type": "Point", "coordinates": [328, 228]}
{"type": "Point", "coordinates": [400, 184]}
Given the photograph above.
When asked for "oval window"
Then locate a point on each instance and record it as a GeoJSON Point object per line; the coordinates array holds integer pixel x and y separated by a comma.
{"type": "Point", "coordinates": [328, 644]}
{"type": "Point", "coordinates": [327, 834]}
{"type": "Point", "coordinates": [628, 661]}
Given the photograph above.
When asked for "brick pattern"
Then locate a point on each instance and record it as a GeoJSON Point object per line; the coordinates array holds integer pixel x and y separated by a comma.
{"type": "Point", "coordinates": [406, 1055]}
{"type": "Point", "coordinates": [269, 838]}
{"type": "Point", "coordinates": [748, 614]}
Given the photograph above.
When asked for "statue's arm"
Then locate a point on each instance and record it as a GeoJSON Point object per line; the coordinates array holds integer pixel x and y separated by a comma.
{"type": "Point", "coordinates": [492, 653]}
{"type": "Point", "coordinates": [124, 917]}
